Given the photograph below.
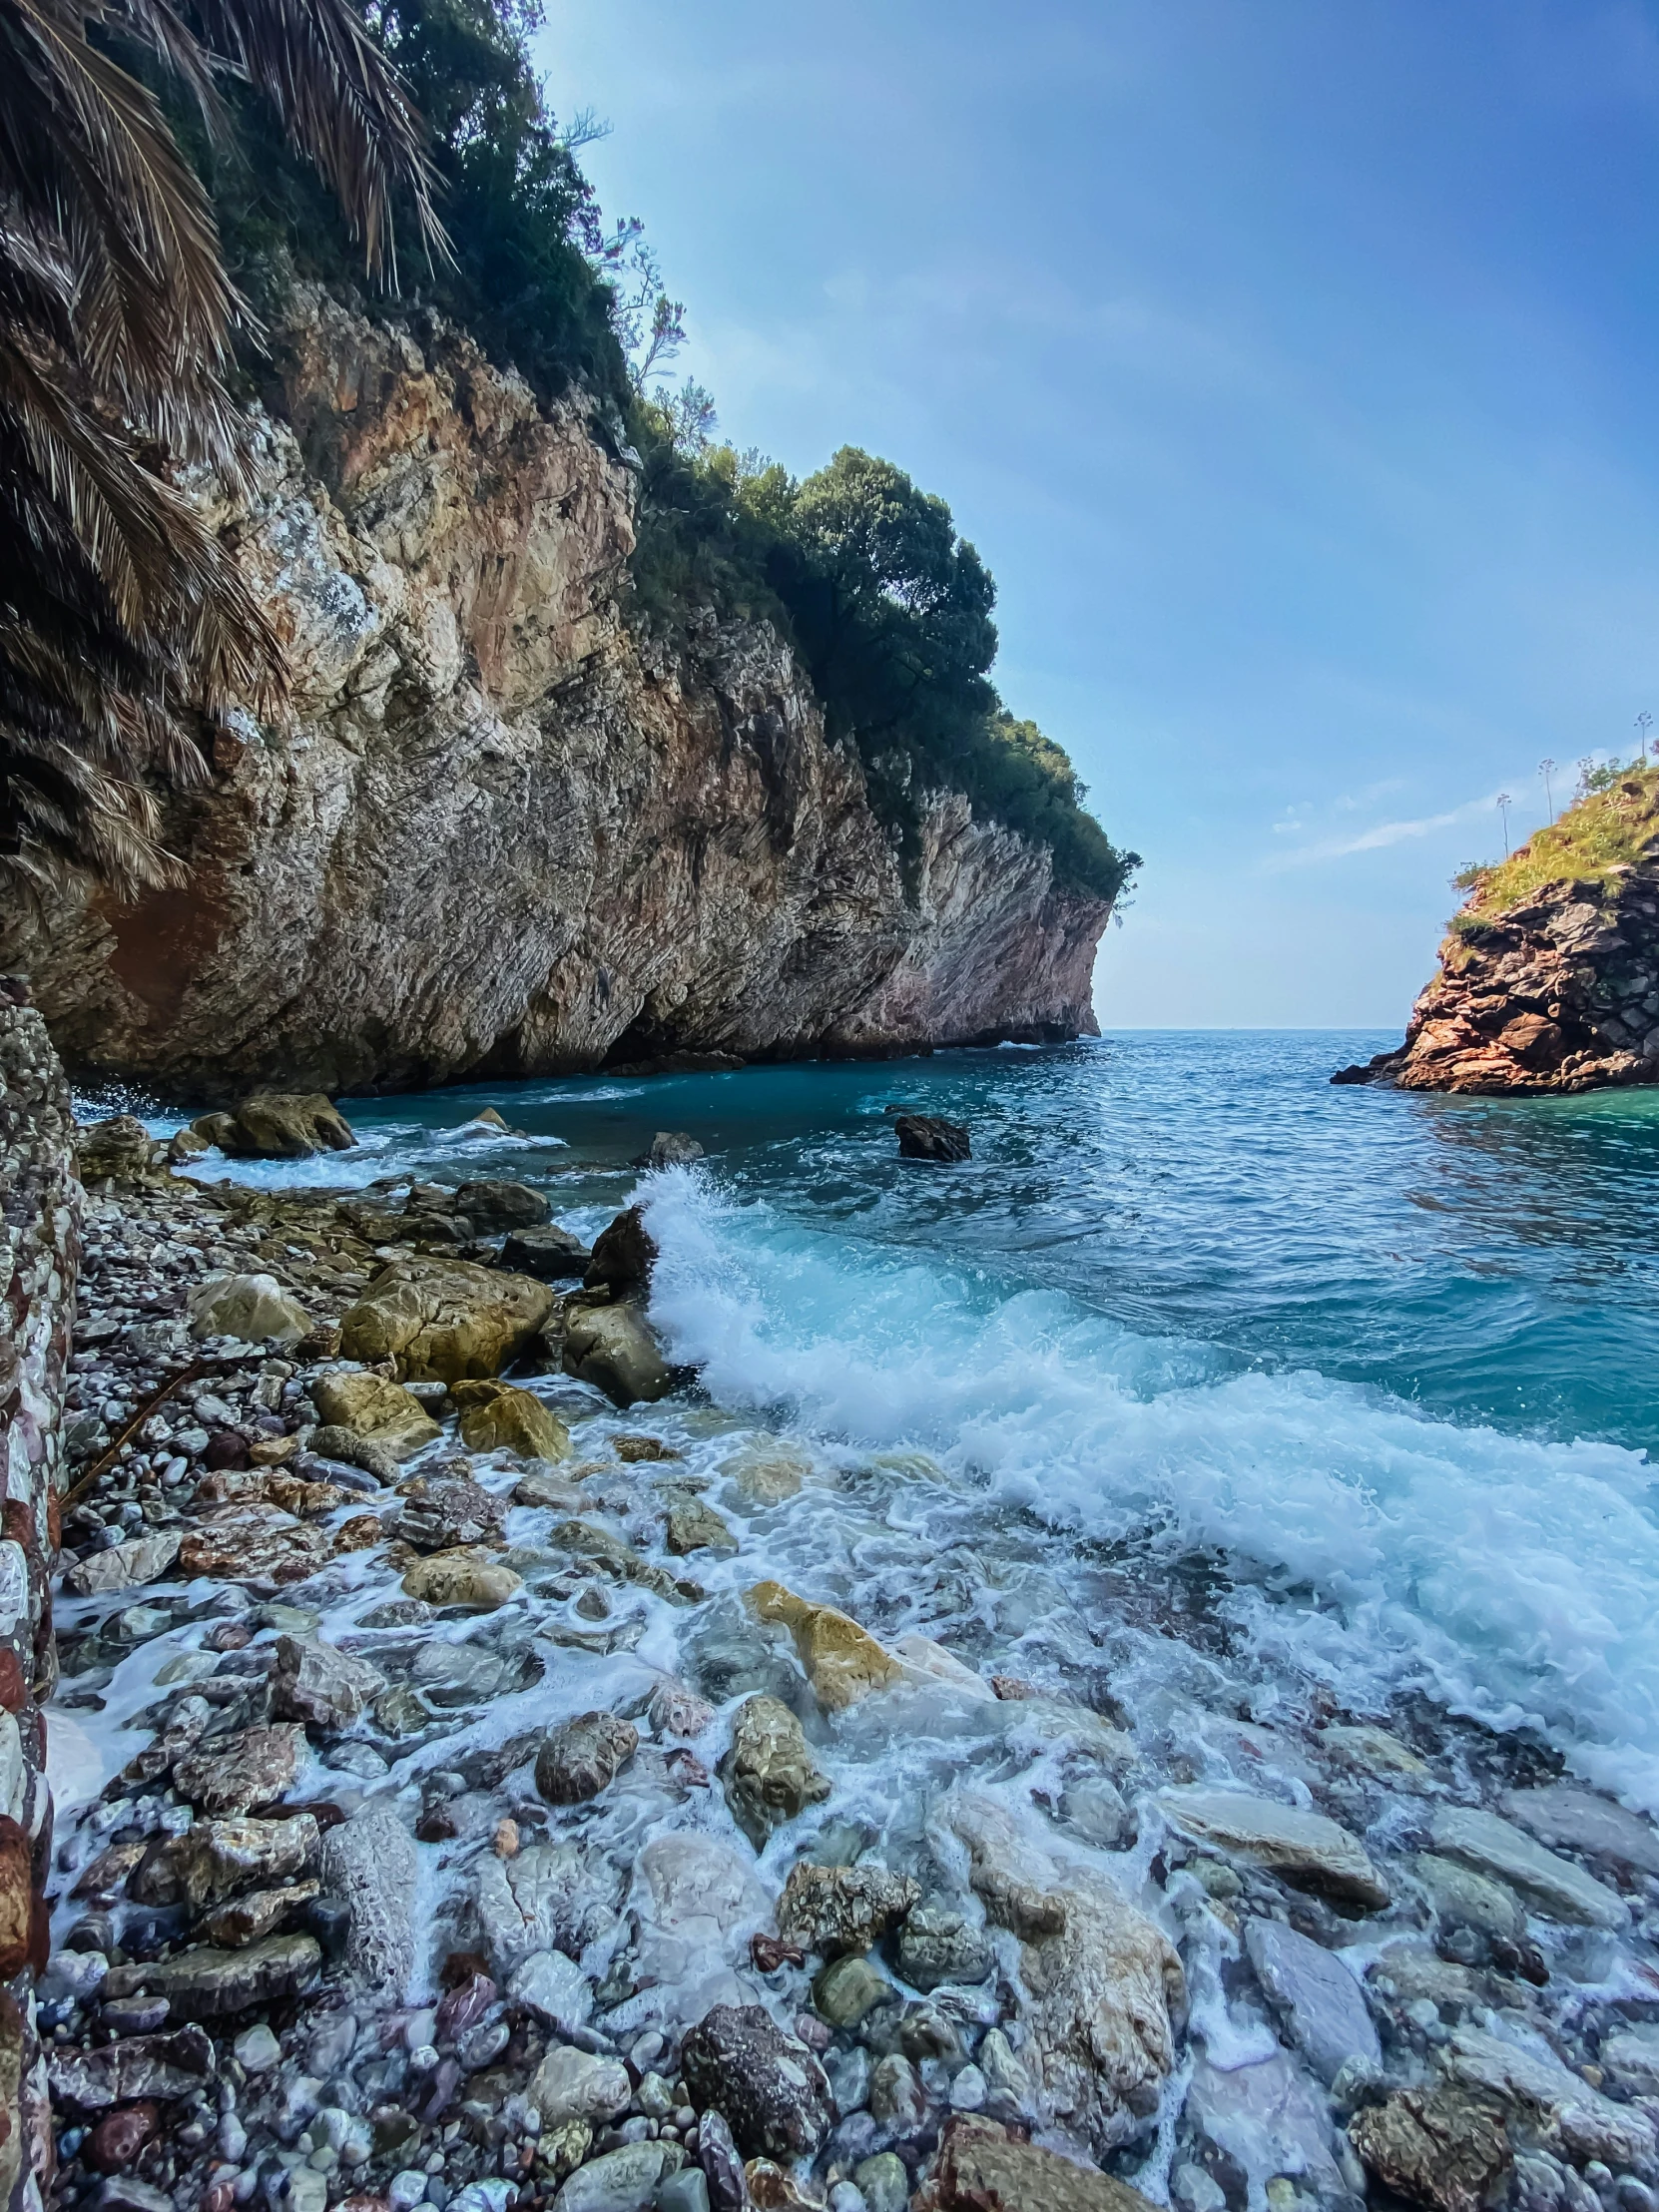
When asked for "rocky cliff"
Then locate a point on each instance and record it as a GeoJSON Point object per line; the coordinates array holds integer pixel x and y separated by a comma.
{"type": "Point", "coordinates": [504, 829]}
{"type": "Point", "coordinates": [1552, 984]}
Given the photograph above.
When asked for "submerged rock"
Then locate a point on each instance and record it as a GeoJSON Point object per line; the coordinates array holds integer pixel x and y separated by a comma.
{"type": "Point", "coordinates": [768, 2086]}
{"type": "Point", "coordinates": [208, 1984]}
{"type": "Point", "coordinates": [1550, 1885]}
{"type": "Point", "coordinates": [844, 1662]}
{"type": "Point", "coordinates": [768, 1773]}
{"type": "Point", "coordinates": [937, 1945]}
{"type": "Point", "coordinates": [583, 1756]}
{"type": "Point", "coordinates": [576, 2086]}
{"type": "Point", "coordinates": [215, 1859]}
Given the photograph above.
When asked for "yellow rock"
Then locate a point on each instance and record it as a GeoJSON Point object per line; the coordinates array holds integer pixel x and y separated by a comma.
{"type": "Point", "coordinates": [497, 1416]}
{"type": "Point", "coordinates": [443, 1321]}
{"type": "Point", "coordinates": [765, 1475]}
{"type": "Point", "coordinates": [462, 1577]}
{"type": "Point", "coordinates": [373, 1405]}
{"type": "Point", "coordinates": [844, 1662]}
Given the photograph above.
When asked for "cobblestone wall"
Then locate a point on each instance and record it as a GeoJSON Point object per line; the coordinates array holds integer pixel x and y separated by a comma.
{"type": "Point", "coordinates": [39, 1243]}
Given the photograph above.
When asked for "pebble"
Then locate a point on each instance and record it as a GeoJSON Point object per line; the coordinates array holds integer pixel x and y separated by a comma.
{"type": "Point", "coordinates": [256, 2050]}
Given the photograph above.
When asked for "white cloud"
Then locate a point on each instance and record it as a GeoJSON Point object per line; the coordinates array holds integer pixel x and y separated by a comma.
{"type": "Point", "coordinates": [1384, 834]}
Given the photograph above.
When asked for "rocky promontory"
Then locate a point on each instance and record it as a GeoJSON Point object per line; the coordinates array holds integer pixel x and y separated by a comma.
{"type": "Point", "coordinates": [1548, 979]}
{"type": "Point", "coordinates": [509, 827]}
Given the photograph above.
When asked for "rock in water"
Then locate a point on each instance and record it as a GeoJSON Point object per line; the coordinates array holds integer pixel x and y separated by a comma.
{"type": "Point", "coordinates": [241, 1773]}
{"type": "Point", "coordinates": [1564, 1817]}
{"type": "Point", "coordinates": [123, 1566]}
{"type": "Point", "coordinates": [1549, 1884]}
{"type": "Point", "coordinates": [623, 1256]}
{"type": "Point", "coordinates": [844, 1662]}
{"type": "Point", "coordinates": [922, 1137]}
{"type": "Point", "coordinates": [444, 1321]}
{"type": "Point", "coordinates": [317, 1684]}
{"type": "Point", "coordinates": [120, 1148]}
{"type": "Point", "coordinates": [1315, 1995]}
{"type": "Point", "coordinates": [1105, 1986]}
{"type": "Point", "coordinates": [497, 1416]}
{"type": "Point", "coordinates": [670, 1148]}
{"type": "Point", "coordinates": [547, 1253]}
{"type": "Point", "coordinates": [283, 1125]}
{"type": "Point", "coordinates": [768, 1773]}
{"type": "Point", "coordinates": [982, 2168]}
{"type": "Point", "coordinates": [1435, 2147]}
{"type": "Point", "coordinates": [612, 1348]}
{"type": "Point", "coordinates": [255, 1308]}
{"type": "Point", "coordinates": [494, 1208]}
{"type": "Point", "coordinates": [369, 1863]}
{"type": "Point", "coordinates": [583, 1756]}
{"type": "Point", "coordinates": [462, 1577]}
{"type": "Point", "coordinates": [163, 2067]}
{"type": "Point", "coordinates": [576, 2086]}
{"type": "Point", "coordinates": [374, 1407]}
{"type": "Point", "coordinates": [767, 2086]}
{"type": "Point", "coordinates": [837, 1909]}
{"type": "Point", "coordinates": [1304, 1849]}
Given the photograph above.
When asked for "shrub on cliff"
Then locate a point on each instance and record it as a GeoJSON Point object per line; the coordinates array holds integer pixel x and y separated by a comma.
{"type": "Point", "coordinates": [1613, 824]}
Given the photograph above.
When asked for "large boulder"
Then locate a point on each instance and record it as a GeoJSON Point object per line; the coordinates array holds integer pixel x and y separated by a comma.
{"type": "Point", "coordinates": [280, 1124]}
{"type": "Point", "coordinates": [1104, 1985]}
{"type": "Point", "coordinates": [496, 1417]}
{"type": "Point", "coordinates": [844, 1662]}
{"type": "Point", "coordinates": [252, 1308]}
{"type": "Point", "coordinates": [612, 1348]}
{"type": "Point", "coordinates": [547, 1253]}
{"type": "Point", "coordinates": [494, 1208]}
{"type": "Point", "coordinates": [923, 1137]}
{"type": "Point", "coordinates": [623, 1256]}
{"type": "Point", "coordinates": [444, 1321]}
{"type": "Point", "coordinates": [373, 1405]}
{"type": "Point", "coordinates": [121, 1147]}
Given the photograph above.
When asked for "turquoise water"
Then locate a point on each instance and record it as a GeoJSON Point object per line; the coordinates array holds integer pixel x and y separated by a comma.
{"type": "Point", "coordinates": [1387, 1363]}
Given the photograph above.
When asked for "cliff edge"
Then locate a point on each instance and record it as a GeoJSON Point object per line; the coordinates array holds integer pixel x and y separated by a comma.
{"type": "Point", "coordinates": [508, 828]}
{"type": "Point", "coordinates": [1549, 980]}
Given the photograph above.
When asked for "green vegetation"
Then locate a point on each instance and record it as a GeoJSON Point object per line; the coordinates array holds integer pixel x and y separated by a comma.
{"type": "Point", "coordinates": [1609, 827]}
{"type": "Point", "coordinates": [887, 607]}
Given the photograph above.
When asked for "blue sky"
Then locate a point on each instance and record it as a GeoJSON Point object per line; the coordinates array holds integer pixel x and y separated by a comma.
{"type": "Point", "coordinates": [1293, 366]}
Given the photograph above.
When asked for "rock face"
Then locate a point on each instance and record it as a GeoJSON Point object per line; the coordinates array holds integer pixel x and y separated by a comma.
{"type": "Point", "coordinates": [1558, 992]}
{"type": "Point", "coordinates": [502, 832]}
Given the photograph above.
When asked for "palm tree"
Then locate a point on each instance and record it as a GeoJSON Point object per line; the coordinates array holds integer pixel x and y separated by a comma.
{"type": "Point", "coordinates": [120, 617]}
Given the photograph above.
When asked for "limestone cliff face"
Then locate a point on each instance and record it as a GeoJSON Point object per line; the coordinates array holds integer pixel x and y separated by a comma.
{"type": "Point", "coordinates": [1559, 992]}
{"type": "Point", "coordinates": [504, 830]}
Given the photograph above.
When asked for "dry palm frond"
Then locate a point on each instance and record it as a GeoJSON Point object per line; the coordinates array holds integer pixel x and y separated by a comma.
{"type": "Point", "coordinates": [120, 614]}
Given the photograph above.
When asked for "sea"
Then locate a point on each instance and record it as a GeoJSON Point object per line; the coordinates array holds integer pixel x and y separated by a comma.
{"type": "Point", "coordinates": [1365, 1382]}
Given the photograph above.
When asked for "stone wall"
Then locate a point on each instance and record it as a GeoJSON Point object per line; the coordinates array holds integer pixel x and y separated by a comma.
{"type": "Point", "coordinates": [39, 1244]}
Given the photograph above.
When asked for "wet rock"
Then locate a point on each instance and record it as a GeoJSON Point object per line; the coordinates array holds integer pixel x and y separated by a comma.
{"type": "Point", "coordinates": [119, 2137]}
{"type": "Point", "coordinates": [495, 1416]}
{"type": "Point", "coordinates": [1096, 1810]}
{"type": "Point", "coordinates": [215, 1860]}
{"type": "Point", "coordinates": [1304, 1849]}
{"type": "Point", "coordinates": [1318, 2000]}
{"type": "Point", "coordinates": [1266, 2118]}
{"type": "Point", "coordinates": [282, 1125]}
{"type": "Point", "coordinates": [238, 1543]}
{"type": "Point", "coordinates": [882, 2182]}
{"type": "Point", "coordinates": [623, 1256]}
{"type": "Point", "coordinates": [443, 1320]}
{"type": "Point", "coordinates": [1375, 1753]}
{"type": "Point", "coordinates": [697, 1899]}
{"type": "Point", "coordinates": [980, 2167]}
{"type": "Point", "coordinates": [768, 1773]}
{"type": "Point", "coordinates": [319, 1685]}
{"type": "Point", "coordinates": [120, 1147]}
{"type": "Point", "coordinates": [937, 1945]}
{"type": "Point", "coordinates": [676, 1710]}
{"type": "Point", "coordinates": [256, 2050]}
{"type": "Point", "coordinates": [374, 1407]}
{"type": "Point", "coordinates": [670, 1148]}
{"type": "Point", "coordinates": [831, 1910]}
{"type": "Point", "coordinates": [767, 2086]}
{"type": "Point", "coordinates": [1433, 2147]}
{"type": "Point", "coordinates": [560, 1493]}
{"type": "Point", "coordinates": [254, 1308]}
{"type": "Point", "coordinates": [549, 1254]}
{"type": "Point", "coordinates": [583, 1756]}
{"type": "Point", "coordinates": [554, 1987]}
{"type": "Point", "coordinates": [717, 2154]}
{"type": "Point", "coordinates": [768, 1474]}
{"type": "Point", "coordinates": [1103, 1981]}
{"type": "Point", "coordinates": [550, 1896]}
{"type": "Point", "coordinates": [576, 2086]}
{"type": "Point", "coordinates": [925, 1137]}
{"type": "Point", "coordinates": [844, 1662]}
{"type": "Point", "coordinates": [1578, 1819]}
{"type": "Point", "coordinates": [1463, 1898]}
{"type": "Point", "coordinates": [897, 2101]}
{"type": "Point", "coordinates": [1553, 2101]}
{"type": "Point", "coordinates": [693, 1526]}
{"type": "Point", "coordinates": [261, 1912]}
{"type": "Point", "coordinates": [123, 1566]}
{"type": "Point", "coordinates": [685, 2191]}
{"type": "Point", "coordinates": [463, 1577]}
{"type": "Point", "coordinates": [242, 1773]}
{"type": "Point", "coordinates": [1631, 2061]}
{"type": "Point", "coordinates": [494, 1207]}
{"type": "Point", "coordinates": [370, 1863]}
{"type": "Point", "coordinates": [450, 1513]}
{"type": "Point", "coordinates": [209, 1985]}
{"type": "Point", "coordinates": [164, 2067]}
{"type": "Point", "coordinates": [620, 2181]}
{"type": "Point", "coordinates": [1550, 1885]}
{"type": "Point", "coordinates": [848, 1989]}
{"type": "Point", "coordinates": [612, 1347]}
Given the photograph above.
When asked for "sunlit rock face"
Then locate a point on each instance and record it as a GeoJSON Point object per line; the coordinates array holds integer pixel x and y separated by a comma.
{"type": "Point", "coordinates": [505, 828]}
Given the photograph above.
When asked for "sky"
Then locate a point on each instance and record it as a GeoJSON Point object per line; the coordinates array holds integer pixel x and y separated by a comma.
{"type": "Point", "coordinates": [1292, 365]}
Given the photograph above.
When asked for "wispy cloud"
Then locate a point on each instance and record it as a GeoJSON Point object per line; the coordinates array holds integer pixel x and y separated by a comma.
{"type": "Point", "coordinates": [1381, 835]}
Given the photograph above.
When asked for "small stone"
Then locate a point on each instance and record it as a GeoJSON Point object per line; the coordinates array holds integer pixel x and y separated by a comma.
{"type": "Point", "coordinates": [831, 1910]}
{"type": "Point", "coordinates": [897, 2101]}
{"type": "Point", "coordinates": [693, 1526]}
{"type": "Point", "coordinates": [582, 1757]}
{"type": "Point", "coordinates": [323, 1687]}
{"type": "Point", "coordinates": [768, 1773]}
{"type": "Point", "coordinates": [370, 1863]}
{"type": "Point", "coordinates": [572, 2085]}
{"type": "Point", "coordinates": [1305, 1848]}
{"type": "Point", "coordinates": [374, 1407]}
{"type": "Point", "coordinates": [882, 2182]}
{"type": "Point", "coordinates": [406, 2189]}
{"type": "Point", "coordinates": [768, 2086]}
{"type": "Point", "coordinates": [848, 1988]}
{"type": "Point", "coordinates": [119, 2137]}
{"type": "Point", "coordinates": [621, 2181]}
{"type": "Point", "coordinates": [937, 1945]}
{"type": "Point", "coordinates": [256, 2050]}
{"type": "Point", "coordinates": [555, 1989]}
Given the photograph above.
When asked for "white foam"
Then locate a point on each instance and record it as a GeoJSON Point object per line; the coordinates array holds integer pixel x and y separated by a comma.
{"type": "Point", "coordinates": [1371, 1545]}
